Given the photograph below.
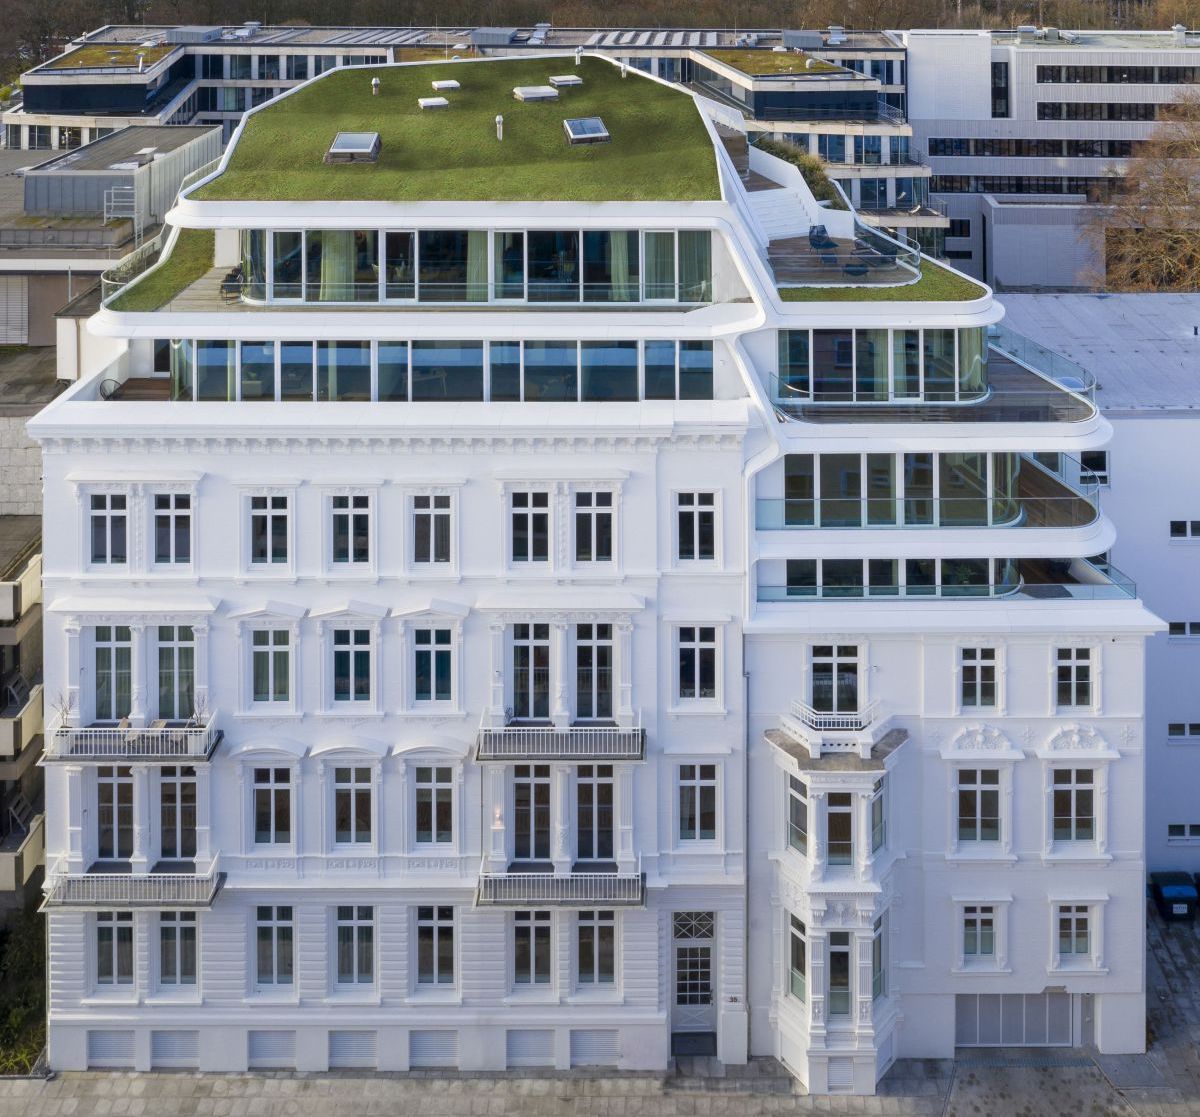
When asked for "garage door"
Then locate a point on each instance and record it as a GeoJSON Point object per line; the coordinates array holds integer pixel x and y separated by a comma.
{"type": "Point", "coordinates": [14, 310]}
{"type": "Point", "coordinates": [1012, 1020]}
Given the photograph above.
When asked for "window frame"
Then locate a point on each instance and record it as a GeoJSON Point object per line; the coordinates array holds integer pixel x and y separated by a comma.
{"type": "Point", "coordinates": [363, 929]}
{"type": "Point", "coordinates": [716, 560]}
{"type": "Point", "coordinates": [1071, 662]}
{"type": "Point", "coordinates": [435, 784]}
{"type": "Point", "coordinates": [1076, 908]}
{"type": "Point", "coordinates": [690, 775]}
{"type": "Point", "coordinates": [171, 514]}
{"type": "Point", "coordinates": [432, 568]}
{"type": "Point", "coordinates": [603, 923]}
{"type": "Point", "coordinates": [181, 921]}
{"type": "Point", "coordinates": [537, 566]}
{"type": "Point", "coordinates": [437, 923]}
{"type": "Point", "coordinates": [274, 923]}
{"type": "Point", "coordinates": [532, 922]}
{"type": "Point", "coordinates": [593, 513]}
{"type": "Point", "coordinates": [110, 517]}
{"type": "Point", "coordinates": [969, 658]}
{"type": "Point", "coordinates": [268, 568]}
{"type": "Point", "coordinates": [273, 787]}
{"type": "Point", "coordinates": [350, 567]}
{"type": "Point", "coordinates": [123, 982]}
{"type": "Point", "coordinates": [698, 644]}
{"type": "Point", "coordinates": [355, 626]}
{"type": "Point", "coordinates": [353, 785]}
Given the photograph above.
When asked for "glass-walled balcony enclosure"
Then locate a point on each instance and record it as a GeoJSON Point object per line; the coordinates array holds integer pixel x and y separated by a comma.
{"type": "Point", "coordinates": [926, 489]}
{"type": "Point", "coordinates": [432, 371]}
{"type": "Point", "coordinates": [883, 365]}
{"type": "Point", "coordinates": [603, 266]}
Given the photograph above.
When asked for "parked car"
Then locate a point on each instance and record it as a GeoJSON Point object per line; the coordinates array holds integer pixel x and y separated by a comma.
{"type": "Point", "coordinates": [1174, 895]}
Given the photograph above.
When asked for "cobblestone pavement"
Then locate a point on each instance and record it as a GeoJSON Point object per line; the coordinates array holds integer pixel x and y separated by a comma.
{"type": "Point", "coordinates": [1009, 1083]}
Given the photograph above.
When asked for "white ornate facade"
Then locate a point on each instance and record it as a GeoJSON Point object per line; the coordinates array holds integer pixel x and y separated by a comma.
{"type": "Point", "coordinates": [511, 699]}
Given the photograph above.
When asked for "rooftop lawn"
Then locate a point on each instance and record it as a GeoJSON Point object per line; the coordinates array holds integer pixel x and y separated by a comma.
{"type": "Point", "coordinates": [660, 149]}
{"type": "Point", "coordinates": [191, 257]}
{"type": "Point", "coordinates": [772, 63]}
{"type": "Point", "coordinates": [937, 284]}
{"type": "Point", "coordinates": [100, 55]}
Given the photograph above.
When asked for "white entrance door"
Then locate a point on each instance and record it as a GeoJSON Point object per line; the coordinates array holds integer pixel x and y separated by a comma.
{"type": "Point", "coordinates": [694, 1008]}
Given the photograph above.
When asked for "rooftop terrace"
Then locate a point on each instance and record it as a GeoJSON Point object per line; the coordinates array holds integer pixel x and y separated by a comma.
{"type": "Point", "coordinates": [109, 56]}
{"type": "Point", "coordinates": [660, 149]}
{"type": "Point", "coordinates": [774, 63]}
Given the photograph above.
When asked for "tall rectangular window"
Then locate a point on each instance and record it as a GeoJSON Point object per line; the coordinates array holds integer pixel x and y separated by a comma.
{"type": "Point", "coordinates": [530, 527]}
{"type": "Point", "coordinates": [531, 947]}
{"type": "Point", "coordinates": [177, 948]}
{"type": "Point", "coordinates": [114, 813]}
{"type": "Point", "coordinates": [352, 664]}
{"type": "Point", "coordinates": [176, 672]}
{"type": "Point", "coordinates": [977, 673]}
{"type": "Point", "coordinates": [531, 672]}
{"type": "Point", "coordinates": [834, 678]}
{"type": "Point", "coordinates": [531, 811]}
{"type": "Point", "coordinates": [1073, 794]}
{"type": "Point", "coordinates": [594, 812]}
{"type": "Point", "coordinates": [431, 529]}
{"type": "Point", "coordinates": [593, 672]}
{"type": "Point", "coordinates": [1073, 677]}
{"type": "Point", "coordinates": [839, 827]}
{"type": "Point", "coordinates": [114, 948]}
{"type": "Point", "coordinates": [172, 528]}
{"type": "Point", "coordinates": [879, 959]}
{"type": "Point", "coordinates": [274, 934]}
{"type": "Point", "coordinates": [593, 526]}
{"type": "Point", "coordinates": [979, 804]}
{"type": "Point", "coordinates": [435, 945]}
{"type": "Point", "coordinates": [268, 530]}
{"type": "Point", "coordinates": [697, 802]}
{"type": "Point", "coordinates": [878, 817]}
{"type": "Point", "coordinates": [433, 674]}
{"type": "Point", "coordinates": [109, 522]}
{"type": "Point", "coordinates": [351, 528]}
{"type": "Point", "coordinates": [1074, 932]}
{"type": "Point", "coordinates": [979, 933]}
{"type": "Point", "coordinates": [597, 935]}
{"type": "Point", "coordinates": [697, 662]}
{"type": "Point", "coordinates": [355, 926]}
{"type": "Point", "coordinates": [272, 806]}
{"type": "Point", "coordinates": [839, 973]}
{"type": "Point", "coordinates": [177, 795]}
{"type": "Point", "coordinates": [435, 805]}
{"type": "Point", "coordinates": [696, 516]}
{"type": "Point", "coordinates": [797, 959]}
{"type": "Point", "coordinates": [797, 815]}
{"type": "Point", "coordinates": [113, 647]}
{"type": "Point", "coordinates": [271, 654]}
{"type": "Point", "coordinates": [352, 805]}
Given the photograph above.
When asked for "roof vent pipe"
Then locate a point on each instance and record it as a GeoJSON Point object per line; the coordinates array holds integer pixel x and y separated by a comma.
{"type": "Point", "coordinates": [624, 69]}
{"type": "Point", "coordinates": [374, 87]}
{"type": "Point", "coordinates": [578, 56]}
{"type": "Point", "coordinates": [141, 63]}
{"type": "Point", "coordinates": [499, 127]}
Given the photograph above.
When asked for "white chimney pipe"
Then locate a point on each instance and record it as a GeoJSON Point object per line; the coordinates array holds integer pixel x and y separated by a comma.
{"type": "Point", "coordinates": [499, 127]}
{"type": "Point", "coordinates": [374, 87]}
{"type": "Point", "coordinates": [578, 56]}
{"type": "Point", "coordinates": [624, 69]}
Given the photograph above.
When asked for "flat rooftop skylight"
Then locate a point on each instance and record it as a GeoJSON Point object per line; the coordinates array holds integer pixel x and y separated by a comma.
{"type": "Point", "coordinates": [442, 86]}
{"type": "Point", "coordinates": [586, 130]}
{"type": "Point", "coordinates": [535, 93]}
{"type": "Point", "coordinates": [562, 81]}
{"type": "Point", "coordinates": [354, 147]}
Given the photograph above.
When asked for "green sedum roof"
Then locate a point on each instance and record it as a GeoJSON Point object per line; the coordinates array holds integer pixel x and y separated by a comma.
{"type": "Point", "coordinates": [937, 284]}
{"type": "Point", "coordinates": [759, 63]}
{"type": "Point", "coordinates": [660, 149]}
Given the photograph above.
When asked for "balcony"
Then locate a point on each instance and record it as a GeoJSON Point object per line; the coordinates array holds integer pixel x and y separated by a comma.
{"type": "Point", "coordinates": [522, 743]}
{"type": "Point", "coordinates": [125, 890]}
{"type": "Point", "coordinates": [1016, 394]}
{"type": "Point", "coordinates": [20, 722]}
{"type": "Point", "coordinates": [546, 890]}
{"type": "Point", "coordinates": [169, 742]}
{"type": "Point", "coordinates": [20, 566]}
{"type": "Point", "coordinates": [1040, 496]}
{"type": "Point", "coordinates": [21, 853]}
{"type": "Point", "coordinates": [856, 732]}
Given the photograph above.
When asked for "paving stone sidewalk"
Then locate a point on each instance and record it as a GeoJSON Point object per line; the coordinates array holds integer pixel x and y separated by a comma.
{"type": "Point", "coordinates": [1009, 1083]}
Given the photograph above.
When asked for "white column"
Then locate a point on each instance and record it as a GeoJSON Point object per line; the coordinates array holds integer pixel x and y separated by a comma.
{"type": "Point", "coordinates": [1101, 807]}
{"type": "Point", "coordinates": [204, 815]}
{"type": "Point", "coordinates": [816, 835]}
{"type": "Point", "coordinates": [862, 834]}
{"type": "Point", "coordinates": [560, 818]}
{"type": "Point", "coordinates": [139, 672]}
{"type": "Point", "coordinates": [71, 697]}
{"type": "Point", "coordinates": [818, 941]}
{"type": "Point", "coordinates": [864, 993]}
{"type": "Point", "coordinates": [142, 853]}
{"type": "Point", "coordinates": [496, 699]}
{"type": "Point", "coordinates": [560, 700]}
{"type": "Point", "coordinates": [494, 801]}
{"type": "Point", "coordinates": [623, 795]}
{"type": "Point", "coordinates": [200, 679]}
{"type": "Point", "coordinates": [624, 711]}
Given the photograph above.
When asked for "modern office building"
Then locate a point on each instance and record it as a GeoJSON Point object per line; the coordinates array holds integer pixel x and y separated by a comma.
{"type": "Point", "coordinates": [838, 94]}
{"type": "Point", "coordinates": [1028, 131]}
{"type": "Point", "coordinates": [1142, 350]}
{"type": "Point", "coordinates": [67, 218]}
{"type": "Point", "coordinates": [529, 602]}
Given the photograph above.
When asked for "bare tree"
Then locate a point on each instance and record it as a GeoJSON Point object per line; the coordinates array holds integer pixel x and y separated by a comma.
{"type": "Point", "coordinates": [1148, 235]}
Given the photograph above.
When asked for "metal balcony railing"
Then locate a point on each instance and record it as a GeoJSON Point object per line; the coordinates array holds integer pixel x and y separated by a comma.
{"type": "Point", "coordinates": [122, 890]}
{"type": "Point", "coordinates": [158, 741]}
{"type": "Point", "coordinates": [520, 743]}
{"type": "Point", "coordinates": [836, 722]}
{"type": "Point", "coordinates": [578, 890]}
